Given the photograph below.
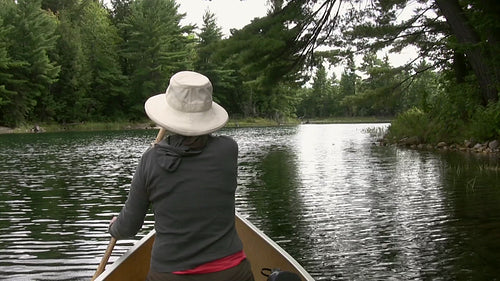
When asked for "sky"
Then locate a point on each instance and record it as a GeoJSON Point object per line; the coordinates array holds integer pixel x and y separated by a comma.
{"type": "Point", "coordinates": [238, 13]}
{"type": "Point", "coordinates": [229, 13]}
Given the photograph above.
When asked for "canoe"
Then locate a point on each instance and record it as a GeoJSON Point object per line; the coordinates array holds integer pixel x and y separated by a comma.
{"type": "Point", "coordinates": [261, 251]}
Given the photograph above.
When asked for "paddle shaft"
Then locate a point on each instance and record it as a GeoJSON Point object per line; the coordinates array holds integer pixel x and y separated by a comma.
{"type": "Point", "coordinates": [105, 258]}
{"type": "Point", "coordinates": [112, 242]}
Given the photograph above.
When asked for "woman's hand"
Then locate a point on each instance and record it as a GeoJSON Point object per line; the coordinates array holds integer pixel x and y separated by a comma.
{"type": "Point", "coordinates": [112, 221]}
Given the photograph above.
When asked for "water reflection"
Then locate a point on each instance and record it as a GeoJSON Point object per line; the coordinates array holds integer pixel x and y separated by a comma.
{"type": "Point", "coordinates": [344, 207]}
{"type": "Point", "coordinates": [58, 193]}
{"type": "Point", "coordinates": [377, 212]}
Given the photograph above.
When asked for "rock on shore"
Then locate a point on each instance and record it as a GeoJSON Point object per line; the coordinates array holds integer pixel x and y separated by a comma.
{"type": "Point", "coordinates": [6, 130]}
{"type": "Point", "coordinates": [487, 147]}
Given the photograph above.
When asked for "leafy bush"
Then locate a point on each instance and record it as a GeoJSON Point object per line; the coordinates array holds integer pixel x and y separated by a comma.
{"type": "Point", "coordinates": [413, 122]}
{"type": "Point", "coordinates": [453, 117]}
{"type": "Point", "coordinates": [485, 124]}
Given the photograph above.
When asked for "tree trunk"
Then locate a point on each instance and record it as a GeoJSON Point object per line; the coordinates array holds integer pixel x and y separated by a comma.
{"type": "Point", "coordinates": [478, 58]}
{"type": "Point", "coordinates": [460, 66]}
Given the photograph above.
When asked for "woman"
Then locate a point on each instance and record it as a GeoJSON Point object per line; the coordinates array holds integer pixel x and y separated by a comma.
{"type": "Point", "coordinates": [190, 180]}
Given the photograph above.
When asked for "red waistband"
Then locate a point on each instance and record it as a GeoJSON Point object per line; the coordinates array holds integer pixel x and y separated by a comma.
{"type": "Point", "coordinates": [216, 265]}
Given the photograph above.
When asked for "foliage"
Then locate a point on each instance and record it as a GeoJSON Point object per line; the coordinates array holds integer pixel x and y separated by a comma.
{"type": "Point", "coordinates": [31, 38]}
{"type": "Point", "coordinates": [102, 74]}
{"type": "Point", "coordinates": [420, 90]}
{"type": "Point", "coordinates": [376, 93]}
{"type": "Point", "coordinates": [264, 56]}
{"type": "Point", "coordinates": [72, 61]}
{"type": "Point", "coordinates": [485, 122]}
{"type": "Point", "coordinates": [73, 86]}
{"type": "Point", "coordinates": [482, 126]}
{"type": "Point", "coordinates": [6, 62]}
{"type": "Point", "coordinates": [456, 38]}
{"type": "Point", "coordinates": [221, 75]}
{"type": "Point", "coordinates": [451, 114]}
{"type": "Point", "coordinates": [322, 99]}
{"type": "Point", "coordinates": [411, 123]}
{"type": "Point", "coordinates": [155, 48]}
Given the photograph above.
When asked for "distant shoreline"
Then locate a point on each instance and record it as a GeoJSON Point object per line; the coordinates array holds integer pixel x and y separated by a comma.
{"type": "Point", "coordinates": [232, 123]}
{"type": "Point", "coordinates": [6, 130]}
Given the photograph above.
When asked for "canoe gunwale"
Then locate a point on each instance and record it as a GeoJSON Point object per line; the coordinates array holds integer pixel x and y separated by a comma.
{"type": "Point", "coordinates": [124, 257]}
{"type": "Point", "coordinates": [259, 238]}
{"type": "Point", "coordinates": [276, 247]}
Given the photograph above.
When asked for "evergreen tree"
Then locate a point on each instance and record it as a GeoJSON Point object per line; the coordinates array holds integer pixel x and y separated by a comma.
{"type": "Point", "coordinates": [421, 91]}
{"type": "Point", "coordinates": [444, 31]}
{"type": "Point", "coordinates": [348, 78]}
{"type": "Point", "coordinates": [100, 47]}
{"type": "Point", "coordinates": [321, 92]}
{"type": "Point", "coordinates": [347, 85]}
{"type": "Point", "coordinates": [209, 37]}
{"type": "Point", "coordinates": [7, 81]}
{"type": "Point", "coordinates": [322, 99]}
{"type": "Point", "coordinates": [474, 24]}
{"type": "Point", "coordinates": [120, 13]}
{"type": "Point", "coordinates": [224, 79]}
{"type": "Point", "coordinates": [155, 50]}
{"type": "Point", "coordinates": [56, 6]}
{"type": "Point", "coordinates": [32, 40]}
{"type": "Point", "coordinates": [72, 90]}
{"type": "Point", "coordinates": [376, 91]}
{"type": "Point", "coordinates": [267, 61]}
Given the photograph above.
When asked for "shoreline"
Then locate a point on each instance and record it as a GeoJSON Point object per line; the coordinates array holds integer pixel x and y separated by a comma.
{"type": "Point", "coordinates": [487, 148]}
{"type": "Point", "coordinates": [146, 124]}
{"type": "Point", "coordinates": [6, 130]}
{"type": "Point", "coordinates": [491, 147]}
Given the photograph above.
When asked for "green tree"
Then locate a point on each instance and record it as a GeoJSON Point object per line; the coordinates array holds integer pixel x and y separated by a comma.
{"type": "Point", "coordinates": [305, 108]}
{"type": "Point", "coordinates": [156, 48]}
{"type": "Point", "coordinates": [210, 35]}
{"type": "Point", "coordinates": [458, 37]}
{"type": "Point", "coordinates": [378, 92]}
{"type": "Point", "coordinates": [266, 61]}
{"type": "Point", "coordinates": [421, 90]}
{"type": "Point", "coordinates": [100, 43]}
{"type": "Point", "coordinates": [321, 93]}
{"type": "Point", "coordinates": [6, 64]}
{"type": "Point", "coordinates": [322, 99]}
{"type": "Point", "coordinates": [56, 6]}
{"type": "Point", "coordinates": [72, 90]}
{"type": "Point", "coordinates": [223, 77]}
{"type": "Point", "coordinates": [120, 13]}
{"type": "Point", "coordinates": [31, 40]}
{"type": "Point", "coordinates": [462, 32]}
{"type": "Point", "coordinates": [475, 26]}
{"type": "Point", "coordinates": [347, 87]}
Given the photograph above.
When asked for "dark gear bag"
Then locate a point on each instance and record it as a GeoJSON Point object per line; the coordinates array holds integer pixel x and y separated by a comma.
{"type": "Point", "coordinates": [279, 275]}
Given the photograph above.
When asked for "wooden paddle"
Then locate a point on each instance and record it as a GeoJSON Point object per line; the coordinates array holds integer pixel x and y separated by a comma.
{"type": "Point", "coordinates": [112, 242]}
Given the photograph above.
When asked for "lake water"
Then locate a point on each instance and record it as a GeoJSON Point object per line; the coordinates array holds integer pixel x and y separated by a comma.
{"type": "Point", "coordinates": [344, 207]}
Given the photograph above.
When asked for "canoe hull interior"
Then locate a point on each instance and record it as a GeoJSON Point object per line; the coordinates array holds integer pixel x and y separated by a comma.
{"type": "Point", "coordinates": [261, 251]}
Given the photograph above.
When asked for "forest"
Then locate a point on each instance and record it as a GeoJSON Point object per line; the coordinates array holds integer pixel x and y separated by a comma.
{"type": "Point", "coordinates": [72, 61]}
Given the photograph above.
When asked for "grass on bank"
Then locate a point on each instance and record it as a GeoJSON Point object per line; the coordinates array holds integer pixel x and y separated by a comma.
{"type": "Point", "coordinates": [349, 120]}
{"type": "Point", "coordinates": [483, 125]}
{"type": "Point", "coordinates": [83, 126]}
{"type": "Point", "coordinates": [147, 124]}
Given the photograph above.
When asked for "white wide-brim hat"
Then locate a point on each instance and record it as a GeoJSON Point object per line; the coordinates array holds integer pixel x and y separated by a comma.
{"type": "Point", "coordinates": [187, 107]}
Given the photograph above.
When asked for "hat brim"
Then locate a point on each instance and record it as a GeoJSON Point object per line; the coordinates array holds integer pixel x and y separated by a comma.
{"type": "Point", "coordinates": [185, 123]}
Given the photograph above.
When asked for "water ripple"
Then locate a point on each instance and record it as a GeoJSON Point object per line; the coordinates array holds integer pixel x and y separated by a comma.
{"type": "Point", "coordinates": [344, 207]}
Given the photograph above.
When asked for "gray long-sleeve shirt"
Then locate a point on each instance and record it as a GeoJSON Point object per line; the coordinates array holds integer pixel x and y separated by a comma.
{"type": "Point", "coordinates": [192, 195]}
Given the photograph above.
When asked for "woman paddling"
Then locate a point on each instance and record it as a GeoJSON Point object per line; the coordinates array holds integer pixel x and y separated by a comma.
{"type": "Point", "coordinates": [189, 179]}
